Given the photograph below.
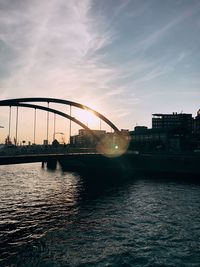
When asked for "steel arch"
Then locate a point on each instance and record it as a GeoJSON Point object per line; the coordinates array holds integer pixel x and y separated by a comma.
{"type": "Point", "coordinates": [17, 101]}
{"type": "Point", "coordinates": [55, 112]}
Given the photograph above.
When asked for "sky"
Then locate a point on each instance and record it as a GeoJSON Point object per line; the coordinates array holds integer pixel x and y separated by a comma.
{"type": "Point", "coordinates": [127, 59]}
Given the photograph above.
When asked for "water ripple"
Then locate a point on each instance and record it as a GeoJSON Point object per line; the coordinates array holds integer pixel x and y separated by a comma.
{"type": "Point", "coordinates": [58, 219]}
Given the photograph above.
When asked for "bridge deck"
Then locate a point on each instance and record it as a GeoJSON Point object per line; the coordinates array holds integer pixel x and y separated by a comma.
{"type": "Point", "coordinates": [148, 163]}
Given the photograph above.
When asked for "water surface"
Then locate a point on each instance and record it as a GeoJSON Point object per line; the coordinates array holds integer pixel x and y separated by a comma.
{"type": "Point", "coordinates": [51, 218]}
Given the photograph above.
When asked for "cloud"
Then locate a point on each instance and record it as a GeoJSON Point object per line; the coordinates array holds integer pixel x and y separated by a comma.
{"type": "Point", "coordinates": [115, 92]}
{"type": "Point", "coordinates": [121, 7]}
{"type": "Point", "coordinates": [162, 30]}
{"type": "Point", "coordinates": [94, 52]}
{"type": "Point", "coordinates": [55, 47]}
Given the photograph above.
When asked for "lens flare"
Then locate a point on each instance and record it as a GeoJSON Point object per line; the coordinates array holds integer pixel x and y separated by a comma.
{"type": "Point", "coordinates": [113, 145]}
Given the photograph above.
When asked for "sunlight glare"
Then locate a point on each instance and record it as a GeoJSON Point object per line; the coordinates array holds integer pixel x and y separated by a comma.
{"type": "Point", "coordinates": [87, 117]}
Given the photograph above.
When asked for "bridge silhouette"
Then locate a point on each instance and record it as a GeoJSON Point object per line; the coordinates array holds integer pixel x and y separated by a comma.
{"type": "Point", "coordinates": [104, 157]}
{"type": "Point", "coordinates": [51, 154]}
{"type": "Point", "coordinates": [26, 102]}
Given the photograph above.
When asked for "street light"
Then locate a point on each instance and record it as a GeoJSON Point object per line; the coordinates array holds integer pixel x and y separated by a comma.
{"type": "Point", "coordinates": [57, 133]}
{"type": "Point", "coordinates": [60, 134]}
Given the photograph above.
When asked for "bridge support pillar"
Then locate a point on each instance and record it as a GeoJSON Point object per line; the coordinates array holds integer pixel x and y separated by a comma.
{"type": "Point", "coordinates": [43, 164]}
{"type": "Point", "coordinates": [52, 164]}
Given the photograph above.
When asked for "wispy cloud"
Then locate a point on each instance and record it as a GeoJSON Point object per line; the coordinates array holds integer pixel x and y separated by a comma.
{"type": "Point", "coordinates": [55, 48]}
{"type": "Point", "coordinates": [115, 92]}
{"type": "Point", "coordinates": [99, 53]}
{"type": "Point", "coordinates": [156, 36]}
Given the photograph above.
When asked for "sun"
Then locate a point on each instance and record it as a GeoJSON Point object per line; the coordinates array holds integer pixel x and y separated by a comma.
{"type": "Point", "coordinates": [87, 117]}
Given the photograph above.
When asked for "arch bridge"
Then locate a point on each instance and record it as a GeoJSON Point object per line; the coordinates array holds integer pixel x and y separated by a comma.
{"type": "Point", "coordinates": [28, 103]}
{"type": "Point", "coordinates": [104, 146]}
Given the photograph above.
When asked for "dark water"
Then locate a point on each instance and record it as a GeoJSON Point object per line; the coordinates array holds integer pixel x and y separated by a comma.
{"type": "Point", "coordinates": [58, 219]}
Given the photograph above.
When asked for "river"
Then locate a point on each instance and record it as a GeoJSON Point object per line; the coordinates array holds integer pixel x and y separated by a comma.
{"type": "Point", "coordinates": [55, 218]}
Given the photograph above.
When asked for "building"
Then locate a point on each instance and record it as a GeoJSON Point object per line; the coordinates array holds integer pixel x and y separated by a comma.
{"type": "Point", "coordinates": [144, 139]}
{"type": "Point", "coordinates": [196, 132]}
{"type": "Point", "coordinates": [181, 121]}
{"type": "Point", "coordinates": [159, 140]}
{"type": "Point", "coordinates": [196, 124]}
{"type": "Point", "coordinates": [169, 132]}
{"type": "Point", "coordinates": [85, 139]}
{"type": "Point", "coordinates": [104, 140]}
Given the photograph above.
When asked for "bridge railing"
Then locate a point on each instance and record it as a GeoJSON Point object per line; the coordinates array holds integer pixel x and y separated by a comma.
{"type": "Point", "coordinates": [41, 149]}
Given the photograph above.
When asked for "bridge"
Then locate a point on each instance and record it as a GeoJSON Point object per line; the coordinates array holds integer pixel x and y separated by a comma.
{"type": "Point", "coordinates": [110, 145]}
{"type": "Point", "coordinates": [108, 153]}
{"type": "Point", "coordinates": [69, 159]}
{"type": "Point", "coordinates": [27, 103]}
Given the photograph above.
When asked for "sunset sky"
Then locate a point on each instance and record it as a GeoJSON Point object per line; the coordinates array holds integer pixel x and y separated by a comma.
{"type": "Point", "coordinates": [125, 58]}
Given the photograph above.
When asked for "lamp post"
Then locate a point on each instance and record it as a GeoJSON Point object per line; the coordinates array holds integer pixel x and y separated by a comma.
{"type": "Point", "coordinates": [60, 134]}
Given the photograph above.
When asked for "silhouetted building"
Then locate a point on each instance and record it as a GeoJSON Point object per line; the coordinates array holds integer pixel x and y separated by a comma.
{"type": "Point", "coordinates": [85, 139]}
{"type": "Point", "coordinates": [158, 140]}
{"type": "Point", "coordinates": [181, 121]}
{"type": "Point", "coordinates": [196, 132]}
{"type": "Point", "coordinates": [55, 143]}
{"type": "Point", "coordinates": [140, 129]}
{"type": "Point", "coordinates": [196, 124]}
{"type": "Point", "coordinates": [144, 139]}
{"type": "Point", "coordinates": [170, 132]}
